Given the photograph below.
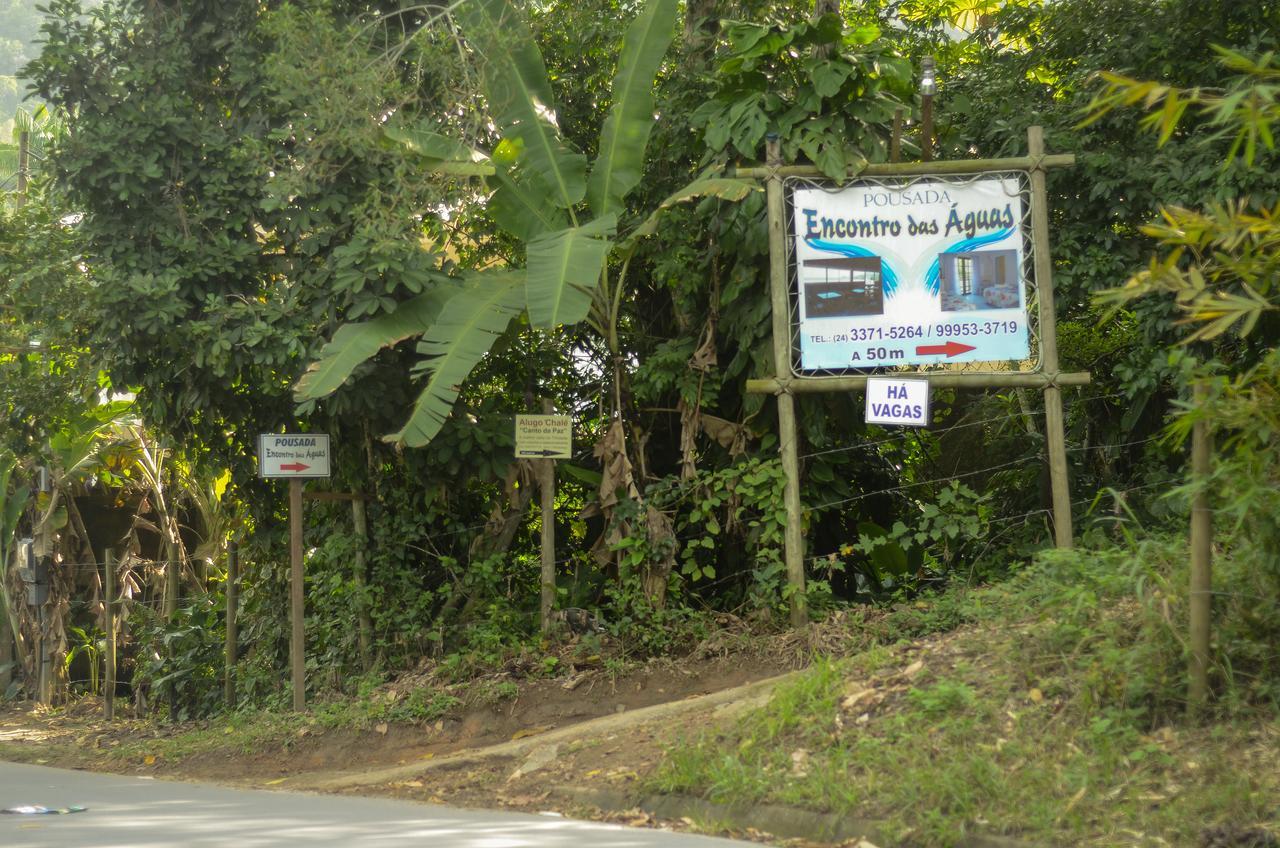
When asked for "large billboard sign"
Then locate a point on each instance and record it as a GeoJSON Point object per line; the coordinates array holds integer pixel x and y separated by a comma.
{"type": "Point", "coordinates": [918, 274]}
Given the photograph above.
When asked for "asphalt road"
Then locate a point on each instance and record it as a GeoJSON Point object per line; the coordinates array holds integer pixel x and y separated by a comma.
{"type": "Point", "coordinates": [132, 812]}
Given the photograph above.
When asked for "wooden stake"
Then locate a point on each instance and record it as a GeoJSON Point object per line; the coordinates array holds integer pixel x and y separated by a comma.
{"type": "Point", "coordinates": [779, 286]}
{"type": "Point", "coordinates": [547, 498]}
{"type": "Point", "coordinates": [1201, 595]}
{"type": "Point", "coordinates": [233, 635]}
{"type": "Point", "coordinates": [6, 649]}
{"type": "Point", "coordinates": [109, 626]}
{"type": "Point", "coordinates": [1054, 419]}
{"type": "Point", "coordinates": [297, 645]}
{"type": "Point", "coordinates": [361, 524]}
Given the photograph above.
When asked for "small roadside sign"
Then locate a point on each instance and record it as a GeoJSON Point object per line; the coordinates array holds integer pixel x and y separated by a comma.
{"type": "Point", "coordinates": [894, 401]}
{"type": "Point", "coordinates": [544, 436]}
{"type": "Point", "coordinates": [293, 455]}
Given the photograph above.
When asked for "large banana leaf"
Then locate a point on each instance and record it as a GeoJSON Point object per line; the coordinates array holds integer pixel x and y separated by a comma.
{"type": "Point", "coordinates": [523, 212]}
{"type": "Point", "coordinates": [563, 270]}
{"type": "Point", "coordinates": [620, 163]}
{"type": "Point", "coordinates": [467, 327]}
{"type": "Point", "coordinates": [722, 187]}
{"type": "Point", "coordinates": [442, 154]}
{"type": "Point", "coordinates": [354, 343]}
{"type": "Point", "coordinates": [520, 99]}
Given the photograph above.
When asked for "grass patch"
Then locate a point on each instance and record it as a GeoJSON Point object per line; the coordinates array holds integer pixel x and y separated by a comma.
{"type": "Point", "coordinates": [1056, 715]}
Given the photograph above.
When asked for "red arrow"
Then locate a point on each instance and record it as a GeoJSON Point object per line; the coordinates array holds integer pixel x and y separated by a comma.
{"type": "Point", "coordinates": [950, 349]}
{"type": "Point", "coordinates": [294, 466]}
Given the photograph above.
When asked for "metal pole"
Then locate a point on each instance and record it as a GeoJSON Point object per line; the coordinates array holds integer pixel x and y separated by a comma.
{"type": "Point", "coordinates": [233, 635]}
{"type": "Point", "coordinates": [297, 646]}
{"type": "Point", "coordinates": [787, 431]}
{"type": "Point", "coordinates": [1201, 595]}
{"type": "Point", "coordinates": [109, 626]}
{"type": "Point", "coordinates": [1054, 418]}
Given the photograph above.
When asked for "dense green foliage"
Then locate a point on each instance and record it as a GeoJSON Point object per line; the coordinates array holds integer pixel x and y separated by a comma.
{"type": "Point", "coordinates": [447, 218]}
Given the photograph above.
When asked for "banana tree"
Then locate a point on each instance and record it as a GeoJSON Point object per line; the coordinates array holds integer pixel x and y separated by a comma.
{"type": "Point", "coordinates": [542, 192]}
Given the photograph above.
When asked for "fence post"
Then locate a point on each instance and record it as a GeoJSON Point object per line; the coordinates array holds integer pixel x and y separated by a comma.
{"type": "Point", "coordinates": [779, 285]}
{"type": "Point", "coordinates": [109, 625]}
{"type": "Point", "coordinates": [359, 577]}
{"type": "Point", "coordinates": [232, 645]}
{"type": "Point", "coordinates": [1054, 417]}
{"type": "Point", "coordinates": [1201, 589]}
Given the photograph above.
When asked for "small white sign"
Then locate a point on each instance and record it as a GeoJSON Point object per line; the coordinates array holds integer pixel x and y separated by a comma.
{"type": "Point", "coordinates": [293, 455]}
{"type": "Point", "coordinates": [544, 436]}
{"type": "Point", "coordinates": [894, 401]}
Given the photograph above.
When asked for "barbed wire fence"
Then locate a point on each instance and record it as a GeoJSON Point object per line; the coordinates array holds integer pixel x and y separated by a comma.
{"type": "Point", "coordinates": [140, 601]}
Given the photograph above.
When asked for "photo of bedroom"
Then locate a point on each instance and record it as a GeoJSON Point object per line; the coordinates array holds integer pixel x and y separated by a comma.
{"type": "Point", "coordinates": [850, 285]}
{"type": "Point", "coordinates": [983, 279]}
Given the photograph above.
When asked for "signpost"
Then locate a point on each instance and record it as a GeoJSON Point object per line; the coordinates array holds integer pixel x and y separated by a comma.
{"type": "Point", "coordinates": [544, 437]}
{"type": "Point", "coordinates": [911, 265]}
{"type": "Point", "coordinates": [295, 457]}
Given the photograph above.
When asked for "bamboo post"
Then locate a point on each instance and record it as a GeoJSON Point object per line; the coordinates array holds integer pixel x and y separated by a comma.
{"type": "Point", "coordinates": [1055, 423]}
{"type": "Point", "coordinates": [1201, 590]}
{"type": "Point", "coordinates": [787, 431]}
{"type": "Point", "coordinates": [109, 627]}
{"type": "Point", "coordinates": [233, 634]}
{"type": "Point", "coordinates": [297, 646]}
{"type": "Point", "coordinates": [360, 522]}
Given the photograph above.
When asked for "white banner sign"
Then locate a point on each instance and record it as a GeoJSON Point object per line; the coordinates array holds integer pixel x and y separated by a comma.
{"type": "Point", "coordinates": [894, 401]}
{"type": "Point", "coordinates": [910, 275]}
{"type": "Point", "coordinates": [293, 455]}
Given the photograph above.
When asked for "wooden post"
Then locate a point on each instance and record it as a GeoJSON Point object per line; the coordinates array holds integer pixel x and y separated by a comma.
{"type": "Point", "coordinates": [109, 627]}
{"type": "Point", "coordinates": [297, 645]}
{"type": "Point", "coordinates": [1054, 419]}
{"type": "Point", "coordinates": [779, 285]}
{"type": "Point", "coordinates": [1201, 593]}
{"type": "Point", "coordinates": [360, 522]}
{"type": "Point", "coordinates": [233, 635]}
{"type": "Point", "coordinates": [7, 653]}
{"type": "Point", "coordinates": [547, 500]}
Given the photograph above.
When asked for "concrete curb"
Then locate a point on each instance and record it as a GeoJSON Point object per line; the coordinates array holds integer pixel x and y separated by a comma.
{"type": "Point", "coordinates": [784, 822]}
